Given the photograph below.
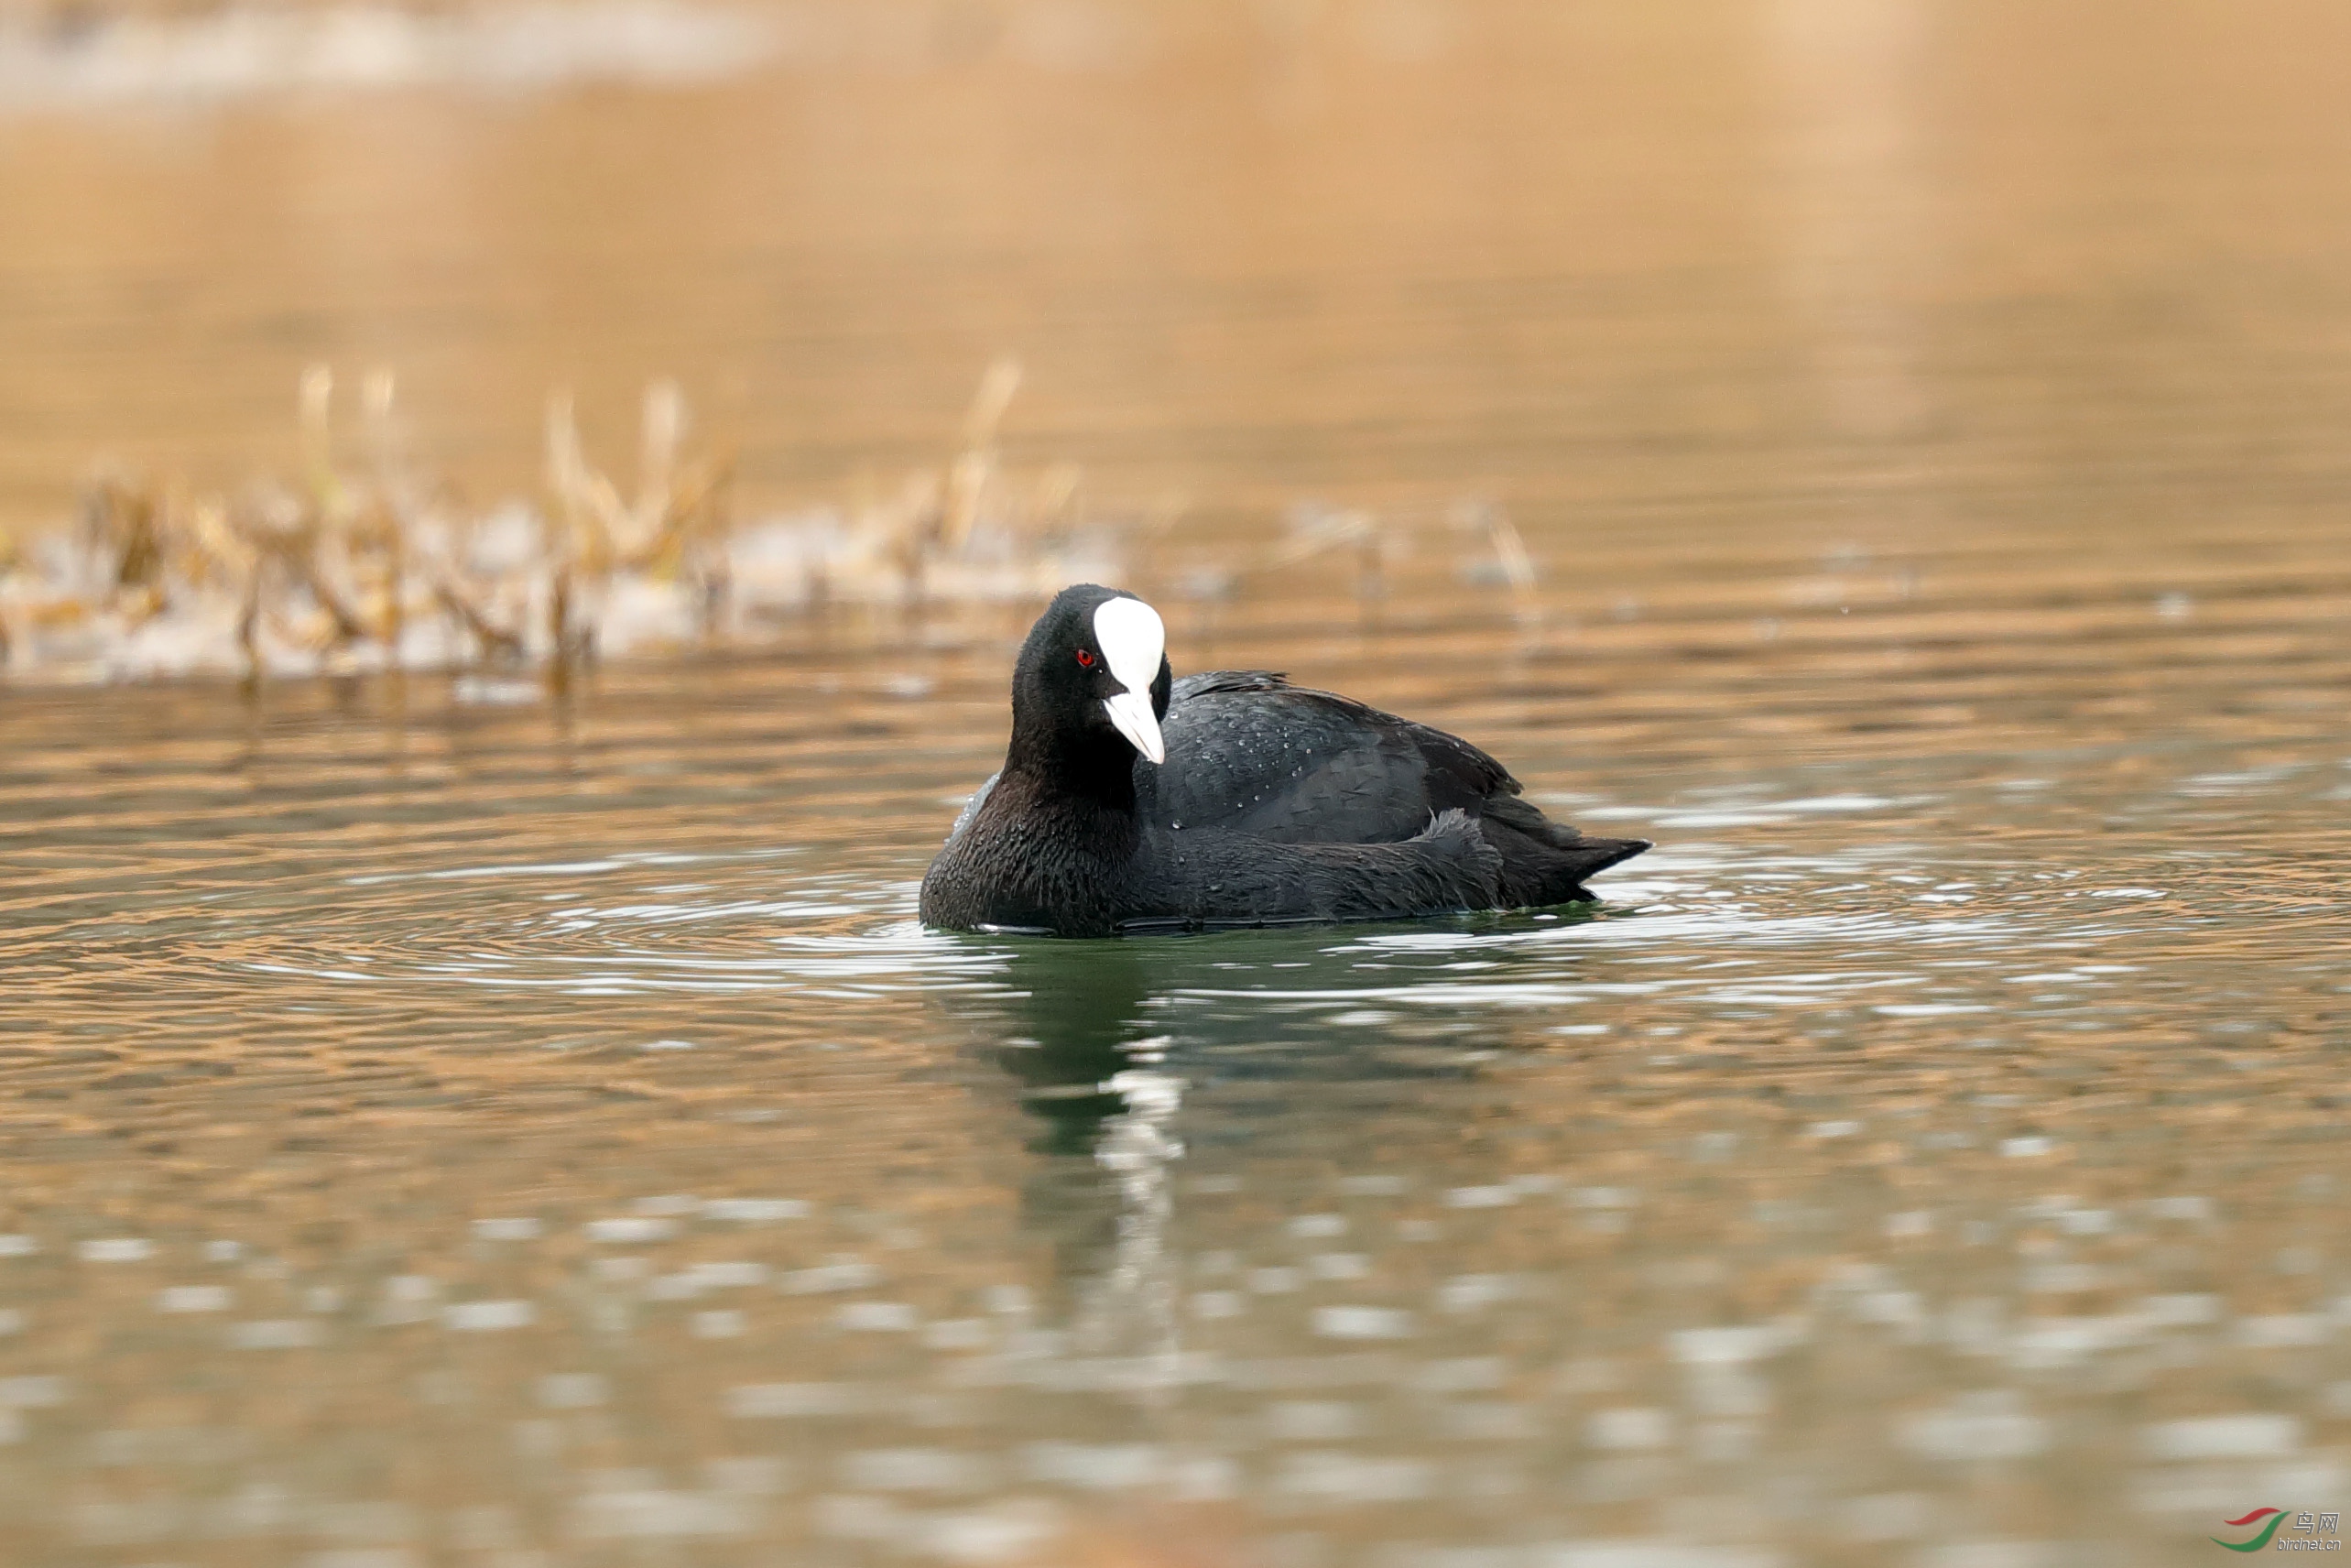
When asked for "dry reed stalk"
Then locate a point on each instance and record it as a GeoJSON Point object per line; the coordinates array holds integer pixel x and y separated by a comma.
{"type": "Point", "coordinates": [364, 560]}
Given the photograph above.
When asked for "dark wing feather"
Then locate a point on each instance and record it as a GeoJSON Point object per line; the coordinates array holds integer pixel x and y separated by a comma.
{"type": "Point", "coordinates": [1209, 680]}
{"type": "Point", "coordinates": [1249, 753]}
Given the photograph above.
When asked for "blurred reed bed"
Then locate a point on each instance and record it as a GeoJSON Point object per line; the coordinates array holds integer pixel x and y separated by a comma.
{"type": "Point", "coordinates": [79, 55]}
{"type": "Point", "coordinates": [366, 560]}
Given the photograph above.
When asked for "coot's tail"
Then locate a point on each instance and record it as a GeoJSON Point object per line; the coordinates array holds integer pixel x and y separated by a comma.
{"type": "Point", "coordinates": [1544, 862]}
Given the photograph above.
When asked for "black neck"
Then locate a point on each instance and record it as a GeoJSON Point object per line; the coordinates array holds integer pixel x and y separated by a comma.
{"type": "Point", "coordinates": [1092, 766]}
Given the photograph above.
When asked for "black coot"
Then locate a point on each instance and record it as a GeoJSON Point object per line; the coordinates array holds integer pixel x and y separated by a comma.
{"type": "Point", "coordinates": [1129, 803]}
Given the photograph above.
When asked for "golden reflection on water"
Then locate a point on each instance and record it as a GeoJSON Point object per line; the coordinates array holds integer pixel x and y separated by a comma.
{"type": "Point", "coordinates": [446, 1124]}
{"type": "Point", "coordinates": [444, 1130]}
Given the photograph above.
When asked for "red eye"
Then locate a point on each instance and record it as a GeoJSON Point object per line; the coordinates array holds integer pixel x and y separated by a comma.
{"type": "Point", "coordinates": [1086, 660]}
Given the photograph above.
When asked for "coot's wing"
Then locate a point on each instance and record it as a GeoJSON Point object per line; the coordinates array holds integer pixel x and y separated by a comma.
{"type": "Point", "coordinates": [1212, 876]}
{"type": "Point", "coordinates": [1249, 753]}
{"type": "Point", "coordinates": [1208, 681]}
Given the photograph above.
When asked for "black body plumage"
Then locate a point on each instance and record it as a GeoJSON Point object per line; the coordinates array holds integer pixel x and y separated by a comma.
{"type": "Point", "coordinates": [1276, 804]}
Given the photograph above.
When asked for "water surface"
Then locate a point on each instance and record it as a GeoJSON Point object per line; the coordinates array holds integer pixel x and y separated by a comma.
{"type": "Point", "coordinates": [445, 1121]}
{"type": "Point", "coordinates": [440, 1128]}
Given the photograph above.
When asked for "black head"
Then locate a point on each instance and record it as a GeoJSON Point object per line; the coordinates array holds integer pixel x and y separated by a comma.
{"type": "Point", "coordinates": [1091, 684]}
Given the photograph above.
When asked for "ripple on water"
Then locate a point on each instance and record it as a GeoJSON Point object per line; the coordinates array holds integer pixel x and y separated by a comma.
{"type": "Point", "coordinates": [1880, 1141]}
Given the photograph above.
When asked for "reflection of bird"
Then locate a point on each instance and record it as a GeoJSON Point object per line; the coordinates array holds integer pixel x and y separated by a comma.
{"type": "Point", "coordinates": [1129, 801]}
{"type": "Point", "coordinates": [1079, 1023]}
{"type": "Point", "coordinates": [1075, 1037]}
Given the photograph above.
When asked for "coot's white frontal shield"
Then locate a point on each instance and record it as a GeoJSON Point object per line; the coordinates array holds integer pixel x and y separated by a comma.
{"type": "Point", "coordinates": [1133, 643]}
